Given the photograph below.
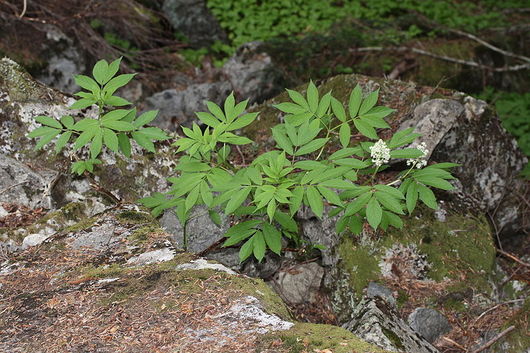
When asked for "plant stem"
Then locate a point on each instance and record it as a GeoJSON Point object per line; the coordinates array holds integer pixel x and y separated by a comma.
{"type": "Point", "coordinates": [403, 177]}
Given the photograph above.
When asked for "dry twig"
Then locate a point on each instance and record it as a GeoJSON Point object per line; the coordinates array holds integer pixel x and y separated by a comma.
{"type": "Point", "coordinates": [493, 340]}
{"type": "Point", "coordinates": [513, 257]}
{"type": "Point", "coordinates": [445, 58]}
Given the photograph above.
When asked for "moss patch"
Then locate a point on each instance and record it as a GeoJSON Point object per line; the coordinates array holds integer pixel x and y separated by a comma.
{"type": "Point", "coordinates": [360, 263]}
{"type": "Point", "coordinates": [133, 217]}
{"type": "Point", "coordinates": [460, 248]}
{"type": "Point", "coordinates": [304, 337]}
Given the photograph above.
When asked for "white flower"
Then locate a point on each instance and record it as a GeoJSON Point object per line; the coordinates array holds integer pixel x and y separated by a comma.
{"type": "Point", "coordinates": [419, 162]}
{"type": "Point", "coordinates": [380, 153]}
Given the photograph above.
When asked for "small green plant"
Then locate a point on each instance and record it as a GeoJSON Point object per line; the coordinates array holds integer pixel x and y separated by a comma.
{"type": "Point", "coordinates": [252, 20]}
{"type": "Point", "coordinates": [265, 196]}
{"type": "Point", "coordinates": [111, 128]}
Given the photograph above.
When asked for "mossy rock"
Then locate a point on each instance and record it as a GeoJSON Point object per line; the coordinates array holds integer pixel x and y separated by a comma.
{"type": "Point", "coordinates": [22, 99]}
{"type": "Point", "coordinates": [307, 337]}
{"type": "Point", "coordinates": [458, 253]}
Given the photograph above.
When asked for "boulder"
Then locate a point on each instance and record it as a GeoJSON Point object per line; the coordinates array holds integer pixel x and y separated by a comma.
{"type": "Point", "coordinates": [378, 323]}
{"type": "Point", "coordinates": [429, 323]}
{"type": "Point", "coordinates": [192, 19]}
{"type": "Point", "coordinates": [55, 59]}
{"type": "Point", "coordinates": [179, 107]}
{"type": "Point", "coordinates": [300, 283]}
{"type": "Point", "coordinates": [252, 73]}
{"type": "Point", "coordinates": [249, 73]}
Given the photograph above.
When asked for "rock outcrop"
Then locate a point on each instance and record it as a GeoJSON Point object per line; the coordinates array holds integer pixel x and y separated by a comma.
{"type": "Point", "coordinates": [115, 283]}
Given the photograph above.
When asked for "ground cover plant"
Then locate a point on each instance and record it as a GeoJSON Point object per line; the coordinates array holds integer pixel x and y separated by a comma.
{"type": "Point", "coordinates": [264, 196]}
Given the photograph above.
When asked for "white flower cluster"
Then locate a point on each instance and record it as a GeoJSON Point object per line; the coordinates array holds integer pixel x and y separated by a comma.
{"type": "Point", "coordinates": [419, 162]}
{"type": "Point", "coordinates": [380, 153]}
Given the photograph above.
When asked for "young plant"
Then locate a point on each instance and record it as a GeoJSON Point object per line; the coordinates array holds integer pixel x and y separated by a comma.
{"type": "Point", "coordinates": [265, 195]}
{"type": "Point", "coordinates": [112, 128]}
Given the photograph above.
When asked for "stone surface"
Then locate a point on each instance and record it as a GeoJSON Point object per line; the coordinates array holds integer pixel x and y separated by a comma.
{"type": "Point", "coordinates": [466, 132]}
{"type": "Point", "coordinates": [299, 284]}
{"type": "Point", "coordinates": [377, 322]}
{"type": "Point", "coordinates": [376, 290]}
{"type": "Point", "coordinates": [201, 264]}
{"type": "Point", "coordinates": [252, 74]}
{"type": "Point", "coordinates": [22, 99]}
{"type": "Point", "coordinates": [179, 107]}
{"type": "Point", "coordinates": [33, 240]}
{"type": "Point", "coordinates": [429, 323]}
{"type": "Point", "coordinates": [200, 233]}
{"type": "Point", "coordinates": [193, 19]}
{"type": "Point", "coordinates": [151, 257]}
{"type": "Point", "coordinates": [249, 308]}
{"type": "Point", "coordinates": [20, 185]}
{"type": "Point", "coordinates": [64, 61]}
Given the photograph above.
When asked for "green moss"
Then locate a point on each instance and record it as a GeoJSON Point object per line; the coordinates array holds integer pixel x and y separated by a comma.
{"type": "Point", "coordinates": [141, 235]}
{"type": "Point", "coordinates": [106, 271]}
{"type": "Point", "coordinates": [258, 288]}
{"type": "Point", "coordinates": [305, 337]}
{"type": "Point", "coordinates": [396, 341]}
{"type": "Point", "coordinates": [82, 225]}
{"type": "Point", "coordinates": [455, 304]}
{"type": "Point", "coordinates": [133, 217]}
{"type": "Point", "coordinates": [460, 247]}
{"type": "Point", "coordinates": [402, 298]}
{"type": "Point", "coordinates": [431, 73]}
{"type": "Point", "coordinates": [20, 87]}
{"type": "Point", "coordinates": [360, 263]}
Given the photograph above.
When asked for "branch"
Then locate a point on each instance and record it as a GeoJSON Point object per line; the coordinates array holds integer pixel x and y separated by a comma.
{"type": "Point", "coordinates": [24, 8]}
{"type": "Point", "coordinates": [493, 340]}
{"type": "Point", "coordinates": [435, 25]}
{"type": "Point", "coordinates": [490, 46]}
{"type": "Point", "coordinates": [513, 257]}
{"type": "Point", "coordinates": [445, 58]}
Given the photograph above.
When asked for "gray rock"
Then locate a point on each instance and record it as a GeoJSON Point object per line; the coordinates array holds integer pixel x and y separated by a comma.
{"type": "Point", "coordinates": [264, 269]}
{"type": "Point", "coordinates": [376, 290]}
{"type": "Point", "coordinates": [252, 74]}
{"type": "Point", "coordinates": [105, 236]}
{"type": "Point", "coordinates": [201, 264]}
{"type": "Point", "coordinates": [64, 62]}
{"type": "Point", "coordinates": [3, 212]}
{"type": "Point", "coordinates": [34, 240]}
{"type": "Point", "coordinates": [376, 322]}
{"type": "Point", "coordinates": [200, 233]}
{"type": "Point", "coordinates": [227, 256]}
{"type": "Point", "coordinates": [179, 107]}
{"type": "Point", "coordinates": [469, 134]}
{"type": "Point", "coordinates": [250, 309]}
{"type": "Point", "coordinates": [151, 257]}
{"type": "Point", "coordinates": [21, 185]}
{"type": "Point", "coordinates": [193, 19]}
{"type": "Point", "coordinates": [321, 232]}
{"type": "Point", "coordinates": [300, 283]}
{"type": "Point", "coordinates": [429, 323]}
